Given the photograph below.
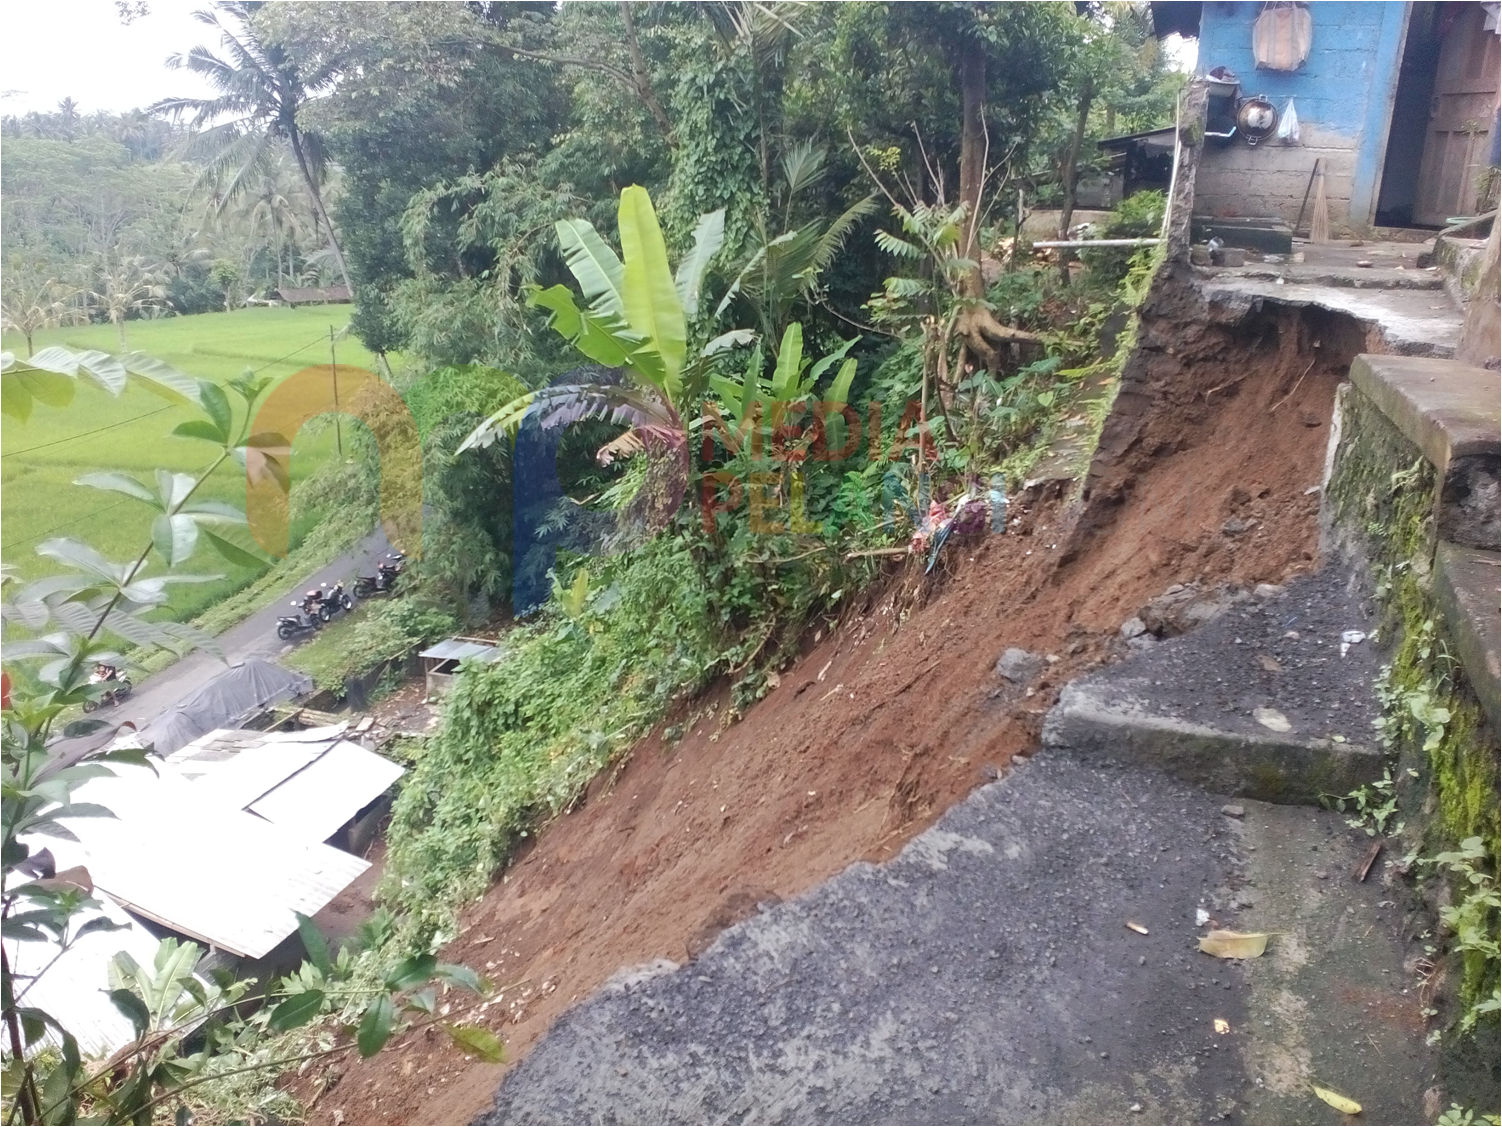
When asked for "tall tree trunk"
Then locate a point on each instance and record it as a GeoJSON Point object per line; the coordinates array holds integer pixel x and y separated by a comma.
{"type": "Point", "coordinates": [1069, 169]}
{"type": "Point", "coordinates": [641, 79]}
{"type": "Point", "coordinates": [972, 153]}
{"type": "Point", "coordinates": [307, 175]}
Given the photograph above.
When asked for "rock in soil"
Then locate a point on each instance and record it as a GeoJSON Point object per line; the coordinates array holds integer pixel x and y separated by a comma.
{"type": "Point", "coordinates": [1018, 666]}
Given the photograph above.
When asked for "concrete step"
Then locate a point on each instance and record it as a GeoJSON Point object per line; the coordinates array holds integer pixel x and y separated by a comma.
{"type": "Point", "coordinates": [1451, 413]}
{"type": "Point", "coordinates": [1468, 586]}
{"type": "Point", "coordinates": [1317, 275]}
{"type": "Point", "coordinates": [1260, 702]}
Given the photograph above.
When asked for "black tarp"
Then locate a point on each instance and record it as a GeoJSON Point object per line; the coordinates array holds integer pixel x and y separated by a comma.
{"type": "Point", "coordinates": [234, 695]}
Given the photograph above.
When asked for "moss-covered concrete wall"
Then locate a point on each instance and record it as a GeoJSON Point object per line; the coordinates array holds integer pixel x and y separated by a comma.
{"type": "Point", "coordinates": [1379, 509]}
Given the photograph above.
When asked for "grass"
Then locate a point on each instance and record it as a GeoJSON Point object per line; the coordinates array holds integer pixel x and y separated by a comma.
{"type": "Point", "coordinates": [43, 456]}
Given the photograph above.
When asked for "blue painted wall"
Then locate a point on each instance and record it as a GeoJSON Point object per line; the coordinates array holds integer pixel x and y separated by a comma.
{"type": "Point", "coordinates": [1345, 86]}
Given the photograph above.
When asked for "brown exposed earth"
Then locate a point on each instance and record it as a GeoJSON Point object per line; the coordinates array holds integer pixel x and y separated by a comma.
{"type": "Point", "coordinates": [892, 713]}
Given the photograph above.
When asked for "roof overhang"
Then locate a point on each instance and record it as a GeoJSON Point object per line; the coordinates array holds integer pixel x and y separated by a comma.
{"type": "Point", "coordinates": [1176, 17]}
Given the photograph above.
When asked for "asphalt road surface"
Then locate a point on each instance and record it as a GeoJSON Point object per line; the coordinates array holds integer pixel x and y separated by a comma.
{"type": "Point", "coordinates": [255, 637]}
{"type": "Point", "coordinates": [1032, 958]}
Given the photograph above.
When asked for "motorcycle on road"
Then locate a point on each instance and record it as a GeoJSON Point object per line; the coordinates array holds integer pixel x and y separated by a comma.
{"type": "Point", "coordinates": [333, 599]}
{"type": "Point", "coordinates": [119, 688]}
{"type": "Point", "coordinates": [384, 580]}
{"type": "Point", "coordinates": [307, 618]}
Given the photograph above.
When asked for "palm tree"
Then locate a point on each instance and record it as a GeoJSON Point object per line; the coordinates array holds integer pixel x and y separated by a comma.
{"type": "Point", "coordinates": [128, 286]}
{"type": "Point", "coordinates": [68, 119]}
{"type": "Point", "coordinates": [778, 271]}
{"type": "Point", "coordinates": [261, 93]}
{"type": "Point", "coordinates": [33, 299]}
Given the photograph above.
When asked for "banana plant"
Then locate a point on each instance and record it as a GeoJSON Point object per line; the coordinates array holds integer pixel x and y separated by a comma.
{"type": "Point", "coordinates": [635, 317]}
{"type": "Point", "coordinates": [792, 381]}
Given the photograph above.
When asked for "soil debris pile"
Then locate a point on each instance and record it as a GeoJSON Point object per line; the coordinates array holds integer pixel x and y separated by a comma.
{"type": "Point", "coordinates": [892, 714]}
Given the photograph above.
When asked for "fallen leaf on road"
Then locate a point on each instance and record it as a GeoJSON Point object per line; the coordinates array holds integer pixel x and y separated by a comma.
{"type": "Point", "coordinates": [1337, 1101]}
{"type": "Point", "coordinates": [1272, 718]}
{"type": "Point", "coordinates": [1138, 928]}
{"type": "Point", "coordinates": [1222, 1026]}
{"type": "Point", "coordinates": [1234, 944]}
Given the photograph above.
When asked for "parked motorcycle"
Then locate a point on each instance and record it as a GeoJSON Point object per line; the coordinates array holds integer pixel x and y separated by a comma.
{"type": "Point", "coordinates": [301, 622]}
{"type": "Point", "coordinates": [314, 606]}
{"type": "Point", "coordinates": [334, 599]}
{"type": "Point", "coordinates": [384, 580]}
{"type": "Point", "coordinates": [119, 688]}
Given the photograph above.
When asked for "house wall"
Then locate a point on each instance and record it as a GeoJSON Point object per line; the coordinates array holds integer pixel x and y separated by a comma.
{"type": "Point", "coordinates": [1343, 95]}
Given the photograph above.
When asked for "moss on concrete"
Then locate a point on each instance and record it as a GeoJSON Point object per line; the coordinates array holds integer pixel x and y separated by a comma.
{"type": "Point", "coordinates": [1379, 506]}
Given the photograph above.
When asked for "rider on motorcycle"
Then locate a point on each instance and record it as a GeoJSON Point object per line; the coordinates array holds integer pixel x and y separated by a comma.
{"type": "Point", "coordinates": [104, 672]}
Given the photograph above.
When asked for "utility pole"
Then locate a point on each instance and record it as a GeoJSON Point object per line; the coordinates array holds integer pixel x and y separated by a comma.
{"type": "Point", "coordinates": [334, 367]}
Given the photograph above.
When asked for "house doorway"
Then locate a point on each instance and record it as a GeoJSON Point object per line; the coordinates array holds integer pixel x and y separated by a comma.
{"type": "Point", "coordinates": [1444, 114]}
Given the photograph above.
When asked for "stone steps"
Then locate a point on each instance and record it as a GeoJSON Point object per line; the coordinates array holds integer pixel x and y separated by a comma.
{"type": "Point", "coordinates": [1450, 412]}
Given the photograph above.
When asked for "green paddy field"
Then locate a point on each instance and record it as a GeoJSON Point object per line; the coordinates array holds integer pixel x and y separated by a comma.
{"type": "Point", "coordinates": [42, 457]}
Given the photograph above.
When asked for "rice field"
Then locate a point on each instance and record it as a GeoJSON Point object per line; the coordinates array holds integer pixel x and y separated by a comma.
{"type": "Point", "coordinates": [41, 458]}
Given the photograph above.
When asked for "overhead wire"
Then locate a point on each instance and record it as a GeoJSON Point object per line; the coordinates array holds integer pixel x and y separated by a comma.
{"type": "Point", "coordinates": [65, 524]}
{"type": "Point", "coordinates": [86, 433]}
{"type": "Point", "coordinates": [111, 426]}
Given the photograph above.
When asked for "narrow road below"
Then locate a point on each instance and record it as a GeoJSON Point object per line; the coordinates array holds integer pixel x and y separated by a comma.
{"type": "Point", "coordinates": [254, 637]}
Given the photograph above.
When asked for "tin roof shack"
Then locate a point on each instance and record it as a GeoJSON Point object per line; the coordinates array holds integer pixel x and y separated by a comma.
{"type": "Point", "coordinates": [440, 663]}
{"type": "Point", "coordinates": [237, 833]}
{"type": "Point", "coordinates": [331, 295]}
{"type": "Point", "coordinates": [1397, 102]}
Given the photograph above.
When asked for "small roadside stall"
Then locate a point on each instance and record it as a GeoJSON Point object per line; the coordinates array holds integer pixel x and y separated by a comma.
{"type": "Point", "coordinates": [440, 663]}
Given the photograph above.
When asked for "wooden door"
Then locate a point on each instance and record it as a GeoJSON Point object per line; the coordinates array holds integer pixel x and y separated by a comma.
{"type": "Point", "coordinates": [1460, 118]}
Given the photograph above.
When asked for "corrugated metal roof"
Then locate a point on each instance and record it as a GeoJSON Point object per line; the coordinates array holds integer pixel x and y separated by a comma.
{"type": "Point", "coordinates": [455, 649]}
{"type": "Point", "coordinates": [202, 868]}
{"type": "Point", "coordinates": [314, 802]}
{"type": "Point", "coordinates": [74, 989]}
{"type": "Point", "coordinates": [238, 782]}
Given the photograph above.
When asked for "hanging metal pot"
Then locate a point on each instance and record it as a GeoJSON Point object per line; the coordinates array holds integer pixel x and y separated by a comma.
{"type": "Point", "coordinates": [1256, 119]}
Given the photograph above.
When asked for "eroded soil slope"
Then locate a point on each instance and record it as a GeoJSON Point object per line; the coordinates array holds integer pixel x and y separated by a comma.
{"type": "Point", "coordinates": [893, 713]}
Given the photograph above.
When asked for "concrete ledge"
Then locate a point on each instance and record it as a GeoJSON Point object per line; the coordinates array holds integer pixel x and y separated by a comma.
{"type": "Point", "coordinates": [1468, 587]}
{"type": "Point", "coordinates": [1447, 409]}
{"type": "Point", "coordinates": [1096, 723]}
{"type": "Point", "coordinates": [1405, 319]}
{"type": "Point", "coordinates": [1269, 700]}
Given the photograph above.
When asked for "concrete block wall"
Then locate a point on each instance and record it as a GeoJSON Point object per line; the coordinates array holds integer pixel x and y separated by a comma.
{"type": "Point", "coordinates": [1343, 94]}
{"type": "Point", "coordinates": [1270, 179]}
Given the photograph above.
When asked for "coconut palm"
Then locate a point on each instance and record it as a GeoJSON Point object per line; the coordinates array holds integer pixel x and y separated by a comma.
{"type": "Point", "coordinates": [129, 285]}
{"type": "Point", "coordinates": [261, 93]}
{"type": "Point", "coordinates": [274, 214]}
{"type": "Point", "coordinates": [34, 299]}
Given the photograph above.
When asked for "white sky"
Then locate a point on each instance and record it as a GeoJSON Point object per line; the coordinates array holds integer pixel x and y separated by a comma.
{"type": "Point", "coordinates": [79, 49]}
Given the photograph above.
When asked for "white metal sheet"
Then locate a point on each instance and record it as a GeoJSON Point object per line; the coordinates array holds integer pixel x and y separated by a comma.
{"type": "Point", "coordinates": [256, 771]}
{"type": "Point", "coordinates": [307, 735]}
{"type": "Point", "coordinates": [328, 792]}
{"type": "Point", "coordinates": [204, 869]}
{"type": "Point", "coordinates": [75, 988]}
